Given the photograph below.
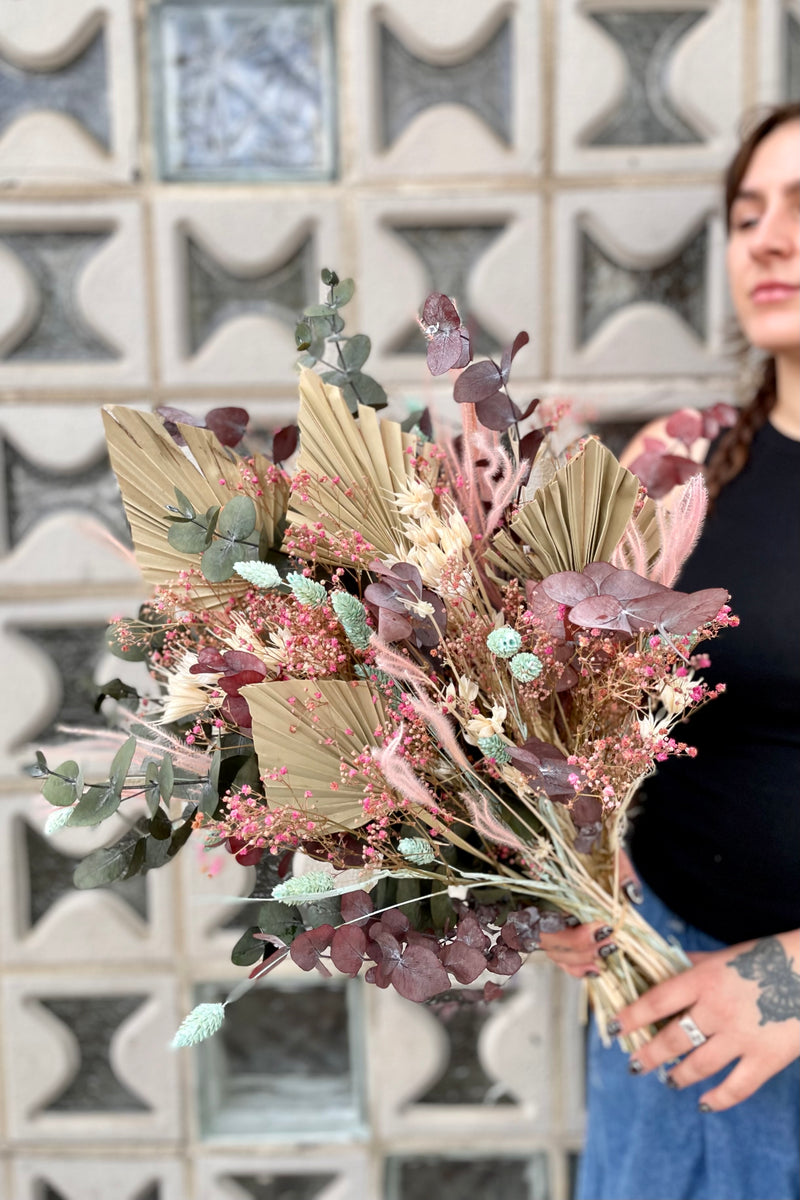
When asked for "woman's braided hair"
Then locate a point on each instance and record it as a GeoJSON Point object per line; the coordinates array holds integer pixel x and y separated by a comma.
{"type": "Point", "coordinates": [733, 450]}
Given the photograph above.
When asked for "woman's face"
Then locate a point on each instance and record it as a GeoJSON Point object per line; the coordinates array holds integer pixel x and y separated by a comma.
{"type": "Point", "coordinates": [764, 244]}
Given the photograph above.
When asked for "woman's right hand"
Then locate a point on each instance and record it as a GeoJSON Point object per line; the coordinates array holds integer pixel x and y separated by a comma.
{"type": "Point", "coordinates": [580, 950]}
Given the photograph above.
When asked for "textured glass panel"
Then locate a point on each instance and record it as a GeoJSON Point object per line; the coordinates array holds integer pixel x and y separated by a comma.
{"type": "Point", "coordinates": [74, 652]}
{"type": "Point", "coordinates": [217, 295]}
{"type": "Point", "coordinates": [265, 878]}
{"type": "Point", "coordinates": [285, 1063]}
{"type": "Point", "coordinates": [34, 493]}
{"type": "Point", "coordinates": [246, 89]}
{"type": "Point", "coordinates": [282, 1187]}
{"type": "Point", "coordinates": [50, 873]}
{"type": "Point", "coordinates": [478, 1178]}
{"type": "Point", "coordinates": [573, 1167]}
{"type": "Point", "coordinates": [57, 330]}
{"type": "Point", "coordinates": [605, 285]}
{"type": "Point", "coordinates": [93, 1022]}
{"type": "Point", "coordinates": [791, 87]}
{"type": "Point", "coordinates": [464, 1080]}
{"type": "Point", "coordinates": [648, 39]}
{"type": "Point", "coordinates": [482, 82]}
{"type": "Point", "coordinates": [449, 252]}
{"type": "Point", "coordinates": [78, 89]}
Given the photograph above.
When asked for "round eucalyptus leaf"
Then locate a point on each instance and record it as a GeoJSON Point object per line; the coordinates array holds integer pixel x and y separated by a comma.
{"type": "Point", "coordinates": [363, 389]}
{"type": "Point", "coordinates": [355, 351]}
{"type": "Point", "coordinates": [95, 805]}
{"type": "Point", "coordinates": [343, 292]}
{"type": "Point", "coordinates": [238, 518]}
{"type": "Point", "coordinates": [62, 792]}
{"type": "Point", "coordinates": [217, 561]}
{"type": "Point", "coordinates": [188, 537]}
{"type": "Point", "coordinates": [104, 866]}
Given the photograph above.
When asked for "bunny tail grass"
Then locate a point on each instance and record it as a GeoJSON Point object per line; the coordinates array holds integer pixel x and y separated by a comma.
{"type": "Point", "coordinates": [202, 1022]}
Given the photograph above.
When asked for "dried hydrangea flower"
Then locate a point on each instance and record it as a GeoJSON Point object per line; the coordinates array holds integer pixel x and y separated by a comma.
{"type": "Point", "coordinates": [504, 641]}
{"type": "Point", "coordinates": [526, 667]}
{"type": "Point", "coordinates": [416, 850]}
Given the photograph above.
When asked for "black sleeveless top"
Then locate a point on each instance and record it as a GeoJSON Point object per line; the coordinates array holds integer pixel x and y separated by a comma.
{"type": "Point", "coordinates": [718, 837]}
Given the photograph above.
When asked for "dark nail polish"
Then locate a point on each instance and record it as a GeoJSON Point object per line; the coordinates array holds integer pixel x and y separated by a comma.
{"type": "Point", "coordinates": [602, 933]}
{"type": "Point", "coordinates": [635, 1067]}
{"type": "Point", "coordinates": [591, 975]}
{"type": "Point", "coordinates": [703, 1107]}
{"type": "Point", "coordinates": [607, 950]}
{"type": "Point", "coordinates": [670, 1082]}
{"type": "Point", "coordinates": [613, 1028]}
{"type": "Point", "coordinates": [633, 892]}
{"type": "Point", "coordinates": [571, 922]}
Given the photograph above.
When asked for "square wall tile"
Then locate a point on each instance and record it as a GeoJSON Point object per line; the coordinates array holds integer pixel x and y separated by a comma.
{"type": "Point", "coordinates": [87, 1057]}
{"type": "Point", "coordinates": [82, 1178]}
{"type": "Point", "coordinates": [72, 303]}
{"type": "Point", "coordinates": [233, 279]}
{"type": "Point", "coordinates": [244, 90]}
{"type": "Point", "coordinates": [640, 283]}
{"type": "Point", "coordinates": [435, 97]}
{"type": "Point", "coordinates": [778, 50]}
{"type": "Point", "coordinates": [647, 87]}
{"type": "Point", "coordinates": [307, 1174]}
{"type": "Point", "coordinates": [484, 251]}
{"type": "Point", "coordinates": [68, 92]}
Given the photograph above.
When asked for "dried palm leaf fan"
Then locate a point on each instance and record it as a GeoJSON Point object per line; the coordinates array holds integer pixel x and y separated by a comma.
{"type": "Point", "coordinates": [149, 467]}
{"type": "Point", "coordinates": [577, 518]}
{"type": "Point", "coordinates": [355, 466]}
{"type": "Point", "coordinates": [310, 738]}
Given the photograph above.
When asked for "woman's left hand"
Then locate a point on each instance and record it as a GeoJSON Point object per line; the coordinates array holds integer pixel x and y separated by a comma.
{"type": "Point", "coordinates": [745, 999]}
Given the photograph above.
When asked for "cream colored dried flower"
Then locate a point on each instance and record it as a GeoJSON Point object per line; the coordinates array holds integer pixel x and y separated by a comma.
{"type": "Point", "coordinates": [186, 694]}
{"type": "Point", "coordinates": [486, 727]}
{"type": "Point", "coordinates": [415, 500]}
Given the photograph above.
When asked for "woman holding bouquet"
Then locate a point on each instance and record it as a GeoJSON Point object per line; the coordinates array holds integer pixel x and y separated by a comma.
{"type": "Point", "coordinates": [710, 1108]}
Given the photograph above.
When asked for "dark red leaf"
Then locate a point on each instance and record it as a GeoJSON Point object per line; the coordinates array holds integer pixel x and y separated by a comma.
{"type": "Point", "coordinates": [395, 921]}
{"type": "Point", "coordinates": [660, 473]}
{"type": "Point", "coordinates": [357, 907]}
{"type": "Point", "coordinates": [680, 612]}
{"type": "Point", "coordinates": [497, 412]}
{"type": "Point", "coordinates": [600, 612]}
{"type": "Point", "coordinates": [228, 424]}
{"type": "Point", "coordinates": [439, 312]}
{"type": "Point", "coordinates": [529, 411]}
{"type": "Point", "coordinates": [250, 857]}
{"type": "Point", "coordinates": [446, 351]}
{"type": "Point", "coordinates": [347, 949]}
{"type": "Point", "coordinates": [307, 948]}
{"type": "Point", "coordinates": [230, 684]}
{"type": "Point", "coordinates": [419, 976]}
{"type": "Point", "coordinates": [530, 443]}
{"type": "Point", "coordinates": [478, 382]}
{"type": "Point", "coordinates": [284, 443]}
{"type": "Point", "coordinates": [208, 660]}
{"type": "Point", "coordinates": [238, 712]}
{"type": "Point", "coordinates": [521, 929]}
{"type": "Point", "coordinates": [470, 933]}
{"type": "Point", "coordinates": [492, 991]}
{"type": "Point", "coordinates": [463, 961]}
{"type": "Point", "coordinates": [719, 416]}
{"type": "Point", "coordinates": [242, 660]}
{"type": "Point", "coordinates": [172, 417]}
{"type": "Point", "coordinates": [503, 960]}
{"type": "Point", "coordinates": [586, 810]}
{"type": "Point", "coordinates": [686, 425]}
{"type": "Point", "coordinates": [568, 587]}
{"type": "Point", "coordinates": [552, 922]}
{"type": "Point", "coordinates": [511, 352]}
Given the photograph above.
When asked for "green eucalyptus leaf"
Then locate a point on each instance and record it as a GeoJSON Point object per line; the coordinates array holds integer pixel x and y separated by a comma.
{"type": "Point", "coordinates": [237, 519]}
{"type": "Point", "coordinates": [337, 378]}
{"type": "Point", "coordinates": [248, 773]}
{"type": "Point", "coordinates": [96, 804]}
{"type": "Point", "coordinates": [212, 516]}
{"type": "Point", "coordinates": [343, 292]}
{"type": "Point", "coordinates": [115, 689]}
{"type": "Point", "coordinates": [303, 335]}
{"type": "Point", "coordinates": [182, 834]}
{"type": "Point", "coordinates": [121, 763]}
{"type": "Point", "coordinates": [151, 792]}
{"type": "Point", "coordinates": [156, 853]}
{"type": "Point", "coordinates": [281, 921]}
{"type": "Point", "coordinates": [355, 351]}
{"type": "Point", "coordinates": [317, 310]}
{"type": "Point", "coordinates": [185, 505]}
{"type": "Point", "coordinates": [41, 769]}
{"type": "Point", "coordinates": [443, 914]}
{"type": "Point", "coordinates": [363, 389]}
{"type": "Point", "coordinates": [248, 950]}
{"type": "Point", "coordinates": [328, 277]}
{"type": "Point", "coordinates": [217, 561]}
{"type": "Point", "coordinates": [166, 779]}
{"type": "Point", "coordinates": [105, 865]}
{"type": "Point", "coordinates": [64, 785]}
{"type": "Point", "coordinates": [160, 825]}
{"type": "Point", "coordinates": [189, 538]}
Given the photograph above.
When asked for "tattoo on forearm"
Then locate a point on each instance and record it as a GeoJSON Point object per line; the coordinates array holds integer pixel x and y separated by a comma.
{"type": "Point", "coordinates": [771, 968]}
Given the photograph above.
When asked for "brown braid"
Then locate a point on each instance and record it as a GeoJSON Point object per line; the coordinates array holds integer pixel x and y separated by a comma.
{"type": "Point", "coordinates": [733, 450]}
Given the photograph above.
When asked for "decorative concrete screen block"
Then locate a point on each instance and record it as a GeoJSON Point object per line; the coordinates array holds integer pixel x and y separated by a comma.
{"type": "Point", "coordinates": [498, 1086]}
{"type": "Point", "coordinates": [45, 919]}
{"type": "Point", "coordinates": [286, 1064]}
{"type": "Point", "coordinates": [647, 86]}
{"type": "Point", "coordinates": [71, 295]}
{"type": "Point", "coordinates": [481, 1177]}
{"type": "Point", "coordinates": [233, 278]}
{"type": "Point", "coordinates": [441, 92]}
{"type": "Point", "coordinates": [779, 50]}
{"type": "Point", "coordinates": [54, 1177]}
{"type": "Point", "coordinates": [245, 90]}
{"type": "Point", "coordinates": [639, 283]}
{"type": "Point", "coordinates": [308, 1173]}
{"type": "Point", "coordinates": [67, 91]}
{"type": "Point", "coordinates": [87, 1055]}
{"type": "Point", "coordinates": [484, 251]}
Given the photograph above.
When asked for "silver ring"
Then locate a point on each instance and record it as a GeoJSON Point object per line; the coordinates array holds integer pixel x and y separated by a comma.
{"type": "Point", "coordinates": [695, 1035]}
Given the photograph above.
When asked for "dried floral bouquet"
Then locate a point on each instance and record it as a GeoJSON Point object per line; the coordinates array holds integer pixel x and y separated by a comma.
{"type": "Point", "coordinates": [427, 674]}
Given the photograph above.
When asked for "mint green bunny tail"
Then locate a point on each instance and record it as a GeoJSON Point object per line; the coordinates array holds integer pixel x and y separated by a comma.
{"type": "Point", "coordinates": [353, 618]}
{"type": "Point", "coordinates": [306, 591]}
{"type": "Point", "coordinates": [260, 574]}
{"type": "Point", "coordinates": [202, 1022]}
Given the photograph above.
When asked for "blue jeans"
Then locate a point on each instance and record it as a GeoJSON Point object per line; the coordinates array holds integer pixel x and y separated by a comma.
{"type": "Point", "coordinates": [645, 1142]}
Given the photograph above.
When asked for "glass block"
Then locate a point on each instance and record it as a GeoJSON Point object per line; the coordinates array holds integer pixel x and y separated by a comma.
{"type": "Point", "coordinates": [464, 1080]}
{"type": "Point", "coordinates": [286, 1063]}
{"type": "Point", "coordinates": [265, 877]}
{"type": "Point", "coordinates": [791, 42]}
{"type": "Point", "coordinates": [646, 116]}
{"type": "Point", "coordinates": [217, 295]}
{"type": "Point", "coordinates": [573, 1168]}
{"type": "Point", "coordinates": [74, 653]}
{"type": "Point", "coordinates": [78, 88]}
{"type": "Point", "coordinates": [33, 493]}
{"type": "Point", "coordinates": [606, 286]}
{"type": "Point", "coordinates": [489, 1177]}
{"type": "Point", "coordinates": [449, 253]}
{"type": "Point", "coordinates": [283, 1187]}
{"type": "Point", "coordinates": [93, 1022]}
{"type": "Point", "coordinates": [245, 90]}
{"type": "Point", "coordinates": [482, 82]}
{"type": "Point", "coordinates": [57, 332]}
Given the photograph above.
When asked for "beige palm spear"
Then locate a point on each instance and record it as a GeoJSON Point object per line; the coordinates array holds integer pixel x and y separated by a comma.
{"type": "Point", "coordinates": [355, 465]}
{"type": "Point", "coordinates": [309, 727]}
{"type": "Point", "coordinates": [149, 467]}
